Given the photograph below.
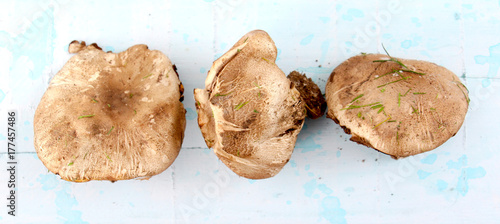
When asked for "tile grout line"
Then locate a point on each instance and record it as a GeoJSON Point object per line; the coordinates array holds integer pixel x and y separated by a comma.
{"type": "Point", "coordinates": [187, 148]}
{"type": "Point", "coordinates": [464, 68]}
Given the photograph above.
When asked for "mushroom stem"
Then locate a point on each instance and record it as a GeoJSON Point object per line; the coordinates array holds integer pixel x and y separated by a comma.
{"type": "Point", "coordinates": [311, 94]}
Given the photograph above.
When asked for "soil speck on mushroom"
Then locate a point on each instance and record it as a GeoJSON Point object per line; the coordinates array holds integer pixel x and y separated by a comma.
{"type": "Point", "coordinates": [393, 104]}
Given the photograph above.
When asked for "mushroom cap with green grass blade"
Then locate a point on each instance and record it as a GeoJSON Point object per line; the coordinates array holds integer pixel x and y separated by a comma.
{"type": "Point", "coordinates": [111, 116]}
{"type": "Point", "coordinates": [396, 106]}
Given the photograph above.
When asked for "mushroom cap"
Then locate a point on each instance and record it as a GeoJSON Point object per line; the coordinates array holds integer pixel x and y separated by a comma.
{"type": "Point", "coordinates": [393, 109]}
{"type": "Point", "coordinates": [249, 112]}
{"type": "Point", "coordinates": [108, 116]}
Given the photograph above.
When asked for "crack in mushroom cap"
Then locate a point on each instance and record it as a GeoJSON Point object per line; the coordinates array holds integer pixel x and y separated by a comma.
{"type": "Point", "coordinates": [108, 116]}
{"type": "Point", "coordinates": [397, 112]}
{"type": "Point", "coordinates": [249, 112]}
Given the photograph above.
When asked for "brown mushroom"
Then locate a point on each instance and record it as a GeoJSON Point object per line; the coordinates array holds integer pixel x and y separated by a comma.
{"type": "Point", "coordinates": [311, 94]}
{"type": "Point", "coordinates": [399, 107]}
{"type": "Point", "coordinates": [249, 112]}
{"type": "Point", "coordinates": [108, 116]}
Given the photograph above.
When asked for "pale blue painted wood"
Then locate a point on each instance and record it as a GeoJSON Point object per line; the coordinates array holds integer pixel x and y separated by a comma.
{"type": "Point", "coordinates": [329, 179]}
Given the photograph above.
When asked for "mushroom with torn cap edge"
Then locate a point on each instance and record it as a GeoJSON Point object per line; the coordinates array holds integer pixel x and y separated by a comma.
{"type": "Point", "coordinates": [249, 112]}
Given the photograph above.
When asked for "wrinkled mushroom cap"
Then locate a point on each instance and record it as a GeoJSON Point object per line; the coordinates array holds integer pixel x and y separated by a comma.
{"type": "Point", "coordinates": [397, 112]}
{"type": "Point", "coordinates": [249, 112]}
{"type": "Point", "coordinates": [108, 116]}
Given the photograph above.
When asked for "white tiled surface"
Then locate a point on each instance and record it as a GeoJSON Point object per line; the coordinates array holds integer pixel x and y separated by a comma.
{"type": "Point", "coordinates": [329, 179]}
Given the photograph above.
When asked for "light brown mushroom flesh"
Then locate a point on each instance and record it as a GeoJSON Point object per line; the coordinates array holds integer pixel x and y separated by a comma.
{"type": "Point", "coordinates": [108, 116]}
{"type": "Point", "coordinates": [249, 112]}
{"type": "Point", "coordinates": [399, 107]}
